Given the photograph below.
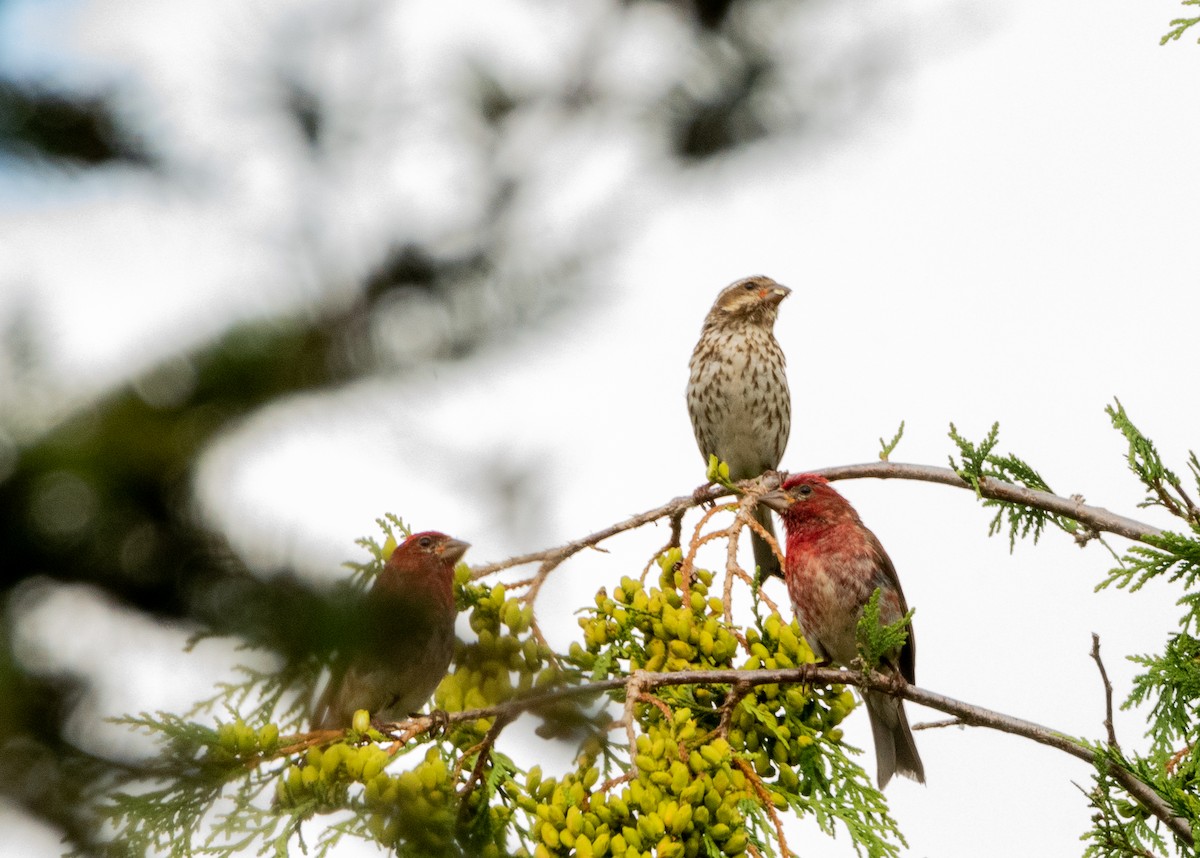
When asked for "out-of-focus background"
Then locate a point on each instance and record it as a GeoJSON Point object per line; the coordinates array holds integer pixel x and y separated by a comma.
{"type": "Point", "coordinates": [271, 269]}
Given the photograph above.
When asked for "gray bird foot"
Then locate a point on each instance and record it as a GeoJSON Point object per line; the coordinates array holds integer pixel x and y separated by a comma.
{"type": "Point", "coordinates": [700, 495]}
{"type": "Point", "coordinates": [439, 721]}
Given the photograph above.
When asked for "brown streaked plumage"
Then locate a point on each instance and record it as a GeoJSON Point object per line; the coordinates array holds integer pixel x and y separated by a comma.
{"type": "Point", "coordinates": [737, 392]}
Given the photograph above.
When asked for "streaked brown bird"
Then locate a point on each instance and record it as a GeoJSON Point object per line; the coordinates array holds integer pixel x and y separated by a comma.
{"type": "Point", "coordinates": [737, 394]}
{"type": "Point", "coordinates": [833, 564]}
{"type": "Point", "coordinates": [403, 638]}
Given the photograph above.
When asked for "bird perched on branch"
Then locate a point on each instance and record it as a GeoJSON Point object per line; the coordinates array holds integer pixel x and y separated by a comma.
{"type": "Point", "coordinates": [833, 565]}
{"type": "Point", "coordinates": [737, 393]}
{"type": "Point", "coordinates": [403, 637]}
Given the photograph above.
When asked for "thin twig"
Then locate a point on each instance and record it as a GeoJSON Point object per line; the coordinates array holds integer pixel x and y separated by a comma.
{"type": "Point", "coordinates": [676, 530]}
{"type": "Point", "coordinates": [649, 565]}
{"type": "Point", "coordinates": [658, 704]}
{"type": "Point", "coordinates": [536, 631]}
{"type": "Point", "coordinates": [1177, 757]}
{"type": "Point", "coordinates": [689, 560]}
{"type": "Point", "coordinates": [673, 542]}
{"type": "Point", "coordinates": [559, 554]}
{"type": "Point", "coordinates": [1193, 512]}
{"type": "Point", "coordinates": [1165, 500]}
{"type": "Point", "coordinates": [768, 538]}
{"type": "Point", "coordinates": [731, 564]}
{"type": "Point", "coordinates": [633, 690]}
{"type": "Point", "coordinates": [1108, 695]}
{"type": "Point", "coordinates": [764, 799]}
{"type": "Point", "coordinates": [548, 566]}
{"type": "Point", "coordinates": [465, 755]}
{"type": "Point", "coordinates": [614, 782]}
{"type": "Point", "coordinates": [938, 725]}
{"type": "Point", "coordinates": [484, 750]}
{"type": "Point", "coordinates": [736, 692]}
{"type": "Point", "coordinates": [667, 714]}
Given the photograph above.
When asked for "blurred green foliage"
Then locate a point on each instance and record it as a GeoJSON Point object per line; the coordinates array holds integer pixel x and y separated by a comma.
{"type": "Point", "coordinates": [104, 496]}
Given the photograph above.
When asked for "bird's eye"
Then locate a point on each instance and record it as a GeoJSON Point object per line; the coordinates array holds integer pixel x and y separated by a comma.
{"type": "Point", "coordinates": [425, 542]}
{"type": "Point", "coordinates": [749, 286]}
{"type": "Point", "coordinates": [805, 490]}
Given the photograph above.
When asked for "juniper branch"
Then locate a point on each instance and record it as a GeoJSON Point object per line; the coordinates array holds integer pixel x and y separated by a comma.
{"type": "Point", "coordinates": [1094, 517]}
{"type": "Point", "coordinates": [967, 714]}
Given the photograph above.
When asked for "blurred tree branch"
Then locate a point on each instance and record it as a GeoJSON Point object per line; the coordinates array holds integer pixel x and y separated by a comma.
{"type": "Point", "coordinates": [104, 497]}
{"type": "Point", "coordinates": [65, 129]}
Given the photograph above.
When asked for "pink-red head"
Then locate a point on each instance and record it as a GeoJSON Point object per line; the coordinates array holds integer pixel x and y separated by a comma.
{"type": "Point", "coordinates": [421, 547]}
{"type": "Point", "coordinates": [424, 561]}
{"type": "Point", "coordinates": [808, 498]}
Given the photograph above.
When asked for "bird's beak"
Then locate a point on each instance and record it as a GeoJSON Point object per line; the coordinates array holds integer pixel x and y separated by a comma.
{"type": "Point", "coordinates": [454, 549]}
{"type": "Point", "coordinates": [775, 294]}
{"type": "Point", "coordinates": [778, 500]}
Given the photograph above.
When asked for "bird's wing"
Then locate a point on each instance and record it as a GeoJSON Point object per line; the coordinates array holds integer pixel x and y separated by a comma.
{"type": "Point", "coordinates": [887, 579]}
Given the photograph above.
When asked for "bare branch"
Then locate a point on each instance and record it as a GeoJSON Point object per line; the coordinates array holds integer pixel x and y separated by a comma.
{"type": "Point", "coordinates": [765, 800]}
{"type": "Point", "coordinates": [736, 692]}
{"type": "Point", "coordinates": [731, 564]}
{"type": "Point", "coordinates": [483, 750]}
{"type": "Point", "coordinates": [557, 555]}
{"type": "Point", "coordinates": [1095, 517]}
{"type": "Point", "coordinates": [689, 560]}
{"type": "Point", "coordinates": [1108, 695]}
{"type": "Point", "coordinates": [676, 529]}
{"type": "Point", "coordinates": [938, 725]}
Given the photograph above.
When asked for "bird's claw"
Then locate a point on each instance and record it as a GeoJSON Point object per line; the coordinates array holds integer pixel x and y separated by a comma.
{"type": "Point", "coordinates": [439, 721]}
{"type": "Point", "coordinates": [772, 477]}
{"type": "Point", "coordinates": [385, 726]}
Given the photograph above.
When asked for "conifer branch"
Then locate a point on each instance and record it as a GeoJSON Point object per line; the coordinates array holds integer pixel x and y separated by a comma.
{"type": "Point", "coordinates": [1094, 517]}
{"type": "Point", "coordinates": [637, 683]}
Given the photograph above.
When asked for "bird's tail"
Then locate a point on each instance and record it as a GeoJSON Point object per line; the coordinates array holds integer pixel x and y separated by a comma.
{"type": "Point", "coordinates": [764, 557]}
{"type": "Point", "coordinates": [895, 749]}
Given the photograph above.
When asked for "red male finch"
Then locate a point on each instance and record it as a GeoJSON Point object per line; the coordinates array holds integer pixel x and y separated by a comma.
{"type": "Point", "coordinates": [404, 638]}
{"type": "Point", "coordinates": [737, 393]}
{"type": "Point", "coordinates": [833, 564]}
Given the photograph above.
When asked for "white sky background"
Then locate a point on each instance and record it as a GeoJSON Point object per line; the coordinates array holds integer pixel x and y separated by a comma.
{"type": "Point", "coordinates": [988, 244]}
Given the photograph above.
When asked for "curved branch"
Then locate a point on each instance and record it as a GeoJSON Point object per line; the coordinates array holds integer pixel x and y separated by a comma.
{"type": "Point", "coordinates": [555, 556]}
{"type": "Point", "coordinates": [1097, 519]}
{"type": "Point", "coordinates": [968, 714]}
{"type": "Point", "coordinates": [1094, 517]}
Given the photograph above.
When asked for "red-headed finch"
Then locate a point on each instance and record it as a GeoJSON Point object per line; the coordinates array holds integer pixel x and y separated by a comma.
{"type": "Point", "coordinates": [404, 636]}
{"type": "Point", "coordinates": [833, 565]}
{"type": "Point", "coordinates": [737, 393]}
